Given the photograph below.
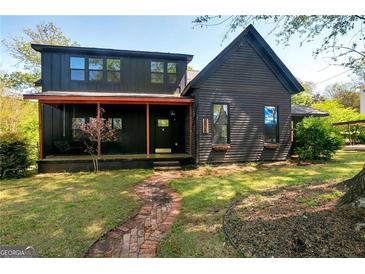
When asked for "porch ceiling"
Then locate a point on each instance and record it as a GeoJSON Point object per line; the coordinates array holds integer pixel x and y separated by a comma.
{"type": "Point", "coordinates": [70, 97]}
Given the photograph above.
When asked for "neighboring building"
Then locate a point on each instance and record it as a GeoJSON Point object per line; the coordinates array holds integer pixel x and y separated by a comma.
{"type": "Point", "coordinates": [298, 112]}
{"type": "Point", "coordinates": [362, 99]}
{"type": "Point", "coordinates": [238, 108]}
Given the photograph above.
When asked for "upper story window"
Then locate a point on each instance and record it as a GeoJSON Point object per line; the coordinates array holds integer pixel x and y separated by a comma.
{"type": "Point", "coordinates": [157, 72]}
{"type": "Point", "coordinates": [77, 66]}
{"type": "Point", "coordinates": [171, 73]}
{"type": "Point", "coordinates": [113, 70]}
{"type": "Point", "coordinates": [271, 124]}
{"type": "Point", "coordinates": [220, 124]}
{"type": "Point", "coordinates": [95, 69]}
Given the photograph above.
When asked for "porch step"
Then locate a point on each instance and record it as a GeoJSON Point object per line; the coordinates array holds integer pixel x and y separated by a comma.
{"type": "Point", "coordinates": [166, 165]}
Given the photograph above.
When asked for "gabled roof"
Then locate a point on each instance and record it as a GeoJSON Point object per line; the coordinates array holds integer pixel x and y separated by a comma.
{"type": "Point", "coordinates": [300, 110]}
{"type": "Point", "coordinates": [250, 35]}
{"type": "Point", "coordinates": [111, 52]}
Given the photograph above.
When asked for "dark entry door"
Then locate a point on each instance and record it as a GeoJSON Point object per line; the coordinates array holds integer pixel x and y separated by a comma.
{"type": "Point", "coordinates": [163, 138]}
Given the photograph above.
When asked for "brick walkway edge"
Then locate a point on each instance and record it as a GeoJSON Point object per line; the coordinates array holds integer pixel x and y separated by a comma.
{"type": "Point", "coordinates": [139, 236]}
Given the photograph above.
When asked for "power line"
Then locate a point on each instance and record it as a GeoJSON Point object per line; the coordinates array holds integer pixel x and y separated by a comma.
{"type": "Point", "coordinates": [334, 76]}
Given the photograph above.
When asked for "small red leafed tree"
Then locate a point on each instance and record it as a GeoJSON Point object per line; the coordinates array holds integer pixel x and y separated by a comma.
{"type": "Point", "coordinates": [95, 131]}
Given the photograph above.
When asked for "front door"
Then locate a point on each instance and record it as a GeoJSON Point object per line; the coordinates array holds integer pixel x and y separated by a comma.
{"type": "Point", "coordinates": [163, 138]}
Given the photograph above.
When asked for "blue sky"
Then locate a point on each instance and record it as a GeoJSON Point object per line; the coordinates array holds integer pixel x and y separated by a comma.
{"type": "Point", "coordinates": [168, 34]}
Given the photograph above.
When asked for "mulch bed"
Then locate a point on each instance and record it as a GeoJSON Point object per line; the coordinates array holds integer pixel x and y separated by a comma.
{"type": "Point", "coordinates": [297, 221]}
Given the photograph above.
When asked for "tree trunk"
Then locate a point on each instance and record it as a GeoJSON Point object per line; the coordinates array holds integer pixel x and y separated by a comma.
{"type": "Point", "coordinates": [355, 188]}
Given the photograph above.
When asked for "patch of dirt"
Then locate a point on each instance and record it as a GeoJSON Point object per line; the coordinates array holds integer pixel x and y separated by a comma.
{"type": "Point", "coordinates": [298, 221]}
{"type": "Point", "coordinates": [226, 169]}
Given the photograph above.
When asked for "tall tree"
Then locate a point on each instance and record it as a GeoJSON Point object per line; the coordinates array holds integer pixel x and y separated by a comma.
{"type": "Point", "coordinates": [19, 81]}
{"type": "Point", "coordinates": [343, 35]}
{"type": "Point", "coordinates": [345, 93]}
{"type": "Point", "coordinates": [355, 189]}
{"type": "Point", "coordinates": [19, 48]}
{"type": "Point", "coordinates": [304, 97]}
{"type": "Point", "coordinates": [337, 112]}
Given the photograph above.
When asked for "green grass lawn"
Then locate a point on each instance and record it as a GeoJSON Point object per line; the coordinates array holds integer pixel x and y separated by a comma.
{"type": "Point", "coordinates": [198, 230]}
{"type": "Point", "coordinates": [61, 215]}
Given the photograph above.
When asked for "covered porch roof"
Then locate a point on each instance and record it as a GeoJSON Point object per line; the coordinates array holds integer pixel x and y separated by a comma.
{"type": "Point", "coordinates": [108, 98]}
{"type": "Point", "coordinates": [300, 111]}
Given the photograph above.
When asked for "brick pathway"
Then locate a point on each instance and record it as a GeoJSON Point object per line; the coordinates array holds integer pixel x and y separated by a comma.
{"type": "Point", "coordinates": [140, 236]}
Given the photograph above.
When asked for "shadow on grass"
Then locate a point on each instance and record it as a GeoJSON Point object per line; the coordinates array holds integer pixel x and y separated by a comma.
{"type": "Point", "coordinates": [62, 214]}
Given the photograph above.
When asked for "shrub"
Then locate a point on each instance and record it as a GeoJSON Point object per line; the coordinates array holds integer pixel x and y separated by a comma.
{"type": "Point", "coordinates": [361, 137]}
{"type": "Point", "coordinates": [14, 155]}
{"type": "Point", "coordinates": [316, 139]}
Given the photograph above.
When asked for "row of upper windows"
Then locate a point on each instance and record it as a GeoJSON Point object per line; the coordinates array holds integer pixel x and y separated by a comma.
{"type": "Point", "coordinates": [96, 69]}
{"type": "Point", "coordinates": [158, 70]}
{"type": "Point", "coordinates": [113, 65]}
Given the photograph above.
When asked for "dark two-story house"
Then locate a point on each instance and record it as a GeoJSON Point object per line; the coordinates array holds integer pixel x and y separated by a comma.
{"type": "Point", "coordinates": [238, 108]}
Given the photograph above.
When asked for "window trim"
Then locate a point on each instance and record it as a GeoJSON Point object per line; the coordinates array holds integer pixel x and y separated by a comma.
{"type": "Point", "coordinates": [112, 70]}
{"type": "Point", "coordinates": [163, 73]}
{"type": "Point", "coordinates": [277, 125]}
{"type": "Point", "coordinates": [176, 73]}
{"type": "Point", "coordinates": [71, 69]}
{"type": "Point", "coordinates": [89, 70]}
{"type": "Point", "coordinates": [228, 123]}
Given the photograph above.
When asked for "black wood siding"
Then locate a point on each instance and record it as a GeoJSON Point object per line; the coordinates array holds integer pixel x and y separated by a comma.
{"type": "Point", "coordinates": [131, 139]}
{"type": "Point", "coordinates": [135, 75]}
{"type": "Point", "coordinates": [247, 84]}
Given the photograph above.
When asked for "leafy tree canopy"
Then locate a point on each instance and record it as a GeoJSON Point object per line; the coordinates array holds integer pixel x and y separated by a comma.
{"type": "Point", "coordinates": [337, 112]}
{"type": "Point", "coordinates": [335, 28]}
{"type": "Point", "coordinates": [19, 117]}
{"type": "Point", "coordinates": [345, 93]}
{"type": "Point", "coordinates": [19, 47]}
{"type": "Point", "coordinates": [44, 33]}
{"type": "Point", "coordinates": [19, 81]}
{"type": "Point", "coordinates": [304, 97]}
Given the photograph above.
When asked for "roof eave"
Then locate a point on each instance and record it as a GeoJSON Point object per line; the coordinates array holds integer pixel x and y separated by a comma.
{"type": "Point", "coordinates": [105, 51]}
{"type": "Point", "coordinates": [309, 114]}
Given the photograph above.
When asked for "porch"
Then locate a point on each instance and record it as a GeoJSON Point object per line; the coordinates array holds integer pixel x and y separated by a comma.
{"type": "Point", "coordinates": [72, 163]}
{"type": "Point", "coordinates": [148, 129]}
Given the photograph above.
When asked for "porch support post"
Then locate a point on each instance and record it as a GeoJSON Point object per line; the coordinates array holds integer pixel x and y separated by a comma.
{"type": "Point", "coordinates": [191, 129]}
{"type": "Point", "coordinates": [98, 125]}
{"type": "Point", "coordinates": [40, 129]}
{"type": "Point", "coordinates": [148, 130]}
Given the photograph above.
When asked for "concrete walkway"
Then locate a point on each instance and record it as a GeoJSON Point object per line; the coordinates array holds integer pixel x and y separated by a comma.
{"type": "Point", "coordinates": [140, 236]}
{"type": "Point", "coordinates": [354, 148]}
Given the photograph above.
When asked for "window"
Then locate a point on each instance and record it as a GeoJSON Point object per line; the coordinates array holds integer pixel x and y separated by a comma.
{"type": "Point", "coordinates": [77, 66]}
{"type": "Point", "coordinates": [171, 73]}
{"type": "Point", "coordinates": [163, 122]}
{"type": "Point", "coordinates": [157, 72]}
{"type": "Point", "coordinates": [271, 124]}
{"type": "Point", "coordinates": [220, 124]}
{"type": "Point", "coordinates": [95, 69]}
{"type": "Point", "coordinates": [113, 70]}
{"type": "Point", "coordinates": [76, 132]}
{"type": "Point", "coordinates": [115, 123]}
